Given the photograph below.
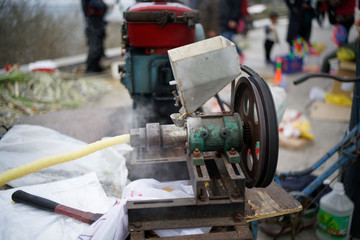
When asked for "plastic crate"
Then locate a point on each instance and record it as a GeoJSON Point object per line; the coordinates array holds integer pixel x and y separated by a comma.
{"type": "Point", "coordinates": [290, 65]}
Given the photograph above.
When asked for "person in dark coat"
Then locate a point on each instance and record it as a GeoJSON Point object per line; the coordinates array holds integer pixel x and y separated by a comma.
{"type": "Point", "coordinates": [321, 9]}
{"type": "Point", "coordinates": [209, 10]}
{"type": "Point", "coordinates": [300, 19]}
{"type": "Point", "coordinates": [229, 20]}
{"type": "Point", "coordinates": [94, 11]}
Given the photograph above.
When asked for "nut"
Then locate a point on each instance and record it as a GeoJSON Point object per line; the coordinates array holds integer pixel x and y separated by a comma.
{"type": "Point", "coordinates": [202, 195]}
{"type": "Point", "coordinates": [238, 217]}
{"type": "Point", "coordinates": [232, 151]}
{"type": "Point", "coordinates": [197, 153]}
{"type": "Point", "coordinates": [235, 195]}
{"type": "Point", "coordinates": [137, 225]}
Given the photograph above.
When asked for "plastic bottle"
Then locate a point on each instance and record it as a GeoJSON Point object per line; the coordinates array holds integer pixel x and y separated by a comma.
{"type": "Point", "coordinates": [335, 215]}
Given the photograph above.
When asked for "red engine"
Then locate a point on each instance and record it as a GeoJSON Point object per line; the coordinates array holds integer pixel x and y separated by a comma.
{"type": "Point", "coordinates": [160, 25]}
{"type": "Point", "coordinates": [150, 29]}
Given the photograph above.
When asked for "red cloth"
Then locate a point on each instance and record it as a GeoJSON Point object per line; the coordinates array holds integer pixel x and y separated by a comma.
{"type": "Point", "coordinates": [323, 7]}
{"type": "Point", "coordinates": [347, 8]}
{"type": "Point", "coordinates": [243, 8]}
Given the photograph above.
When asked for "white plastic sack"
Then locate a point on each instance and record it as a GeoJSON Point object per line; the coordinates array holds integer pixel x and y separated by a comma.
{"type": "Point", "coordinates": [26, 143]}
{"type": "Point", "coordinates": [20, 221]}
{"type": "Point", "coordinates": [114, 224]}
{"type": "Point", "coordinates": [44, 64]}
{"type": "Point", "coordinates": [317, 93]}
{"type": "Point", "coordinates": [279, 96]}
{"type": "Point", "coordinates": [116, 9]}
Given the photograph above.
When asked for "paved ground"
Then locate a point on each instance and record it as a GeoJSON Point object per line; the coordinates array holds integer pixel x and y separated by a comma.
{"type": "Point", "coordinates": [326, 133]}
{"type": "Point", "coordinates": [298, 98]}
{"type": "Point", "coordinates": [112, 114]}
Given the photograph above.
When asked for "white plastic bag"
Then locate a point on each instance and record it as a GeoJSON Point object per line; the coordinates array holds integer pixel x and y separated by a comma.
{"type": "Point", "coordinates": [279, 96]}
{"type": "Point", "coordinates": [114, 224]}
{"type": "Point", "coordinates": [26, 143]}
{"type": "Point", "coordinates": [317, 93]}
{"type": "Point", "coordinates": [20, 221]}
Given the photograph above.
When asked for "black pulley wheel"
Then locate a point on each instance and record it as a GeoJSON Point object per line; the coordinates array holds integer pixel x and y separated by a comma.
{"type": "Point", "coordinates": [255, 104]}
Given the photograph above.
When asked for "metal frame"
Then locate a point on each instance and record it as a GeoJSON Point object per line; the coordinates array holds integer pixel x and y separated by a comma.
{"type": "Point", "coordinates": [217, 178]}
{"type": "Point", "coordinates": [240, 232]}
{"type": "Point", "coordinates": [219, 188]}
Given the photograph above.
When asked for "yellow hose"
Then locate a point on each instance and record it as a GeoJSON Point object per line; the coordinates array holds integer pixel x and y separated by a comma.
{"type": "Point", "coordinates": [61, 158]}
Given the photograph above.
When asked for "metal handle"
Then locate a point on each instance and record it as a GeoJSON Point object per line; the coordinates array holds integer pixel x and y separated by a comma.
{"type": "Point", "coordinates": [163, 17]}
{"type": "Point", "coordinates": [324, 75]}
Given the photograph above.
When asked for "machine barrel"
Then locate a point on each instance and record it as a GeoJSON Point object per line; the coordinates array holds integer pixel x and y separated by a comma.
{"type": "Point", "coordinates": [155, 136]}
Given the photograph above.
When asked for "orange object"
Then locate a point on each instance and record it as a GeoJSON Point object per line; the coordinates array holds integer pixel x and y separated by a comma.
{"type": "Point", "coordinates": [277, 78]}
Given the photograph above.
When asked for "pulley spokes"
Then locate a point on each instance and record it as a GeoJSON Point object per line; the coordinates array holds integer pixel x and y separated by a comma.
{"type": "Point", "coordinates": [254, 103]}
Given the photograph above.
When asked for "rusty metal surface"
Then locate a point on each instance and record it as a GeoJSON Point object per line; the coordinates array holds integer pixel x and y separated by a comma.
{"type": "Point", "coordinates": [235, 186]}
{"type": "Point", "coordinates": [216, 133]}
{"type": "Point", "coordinates": [153, 139]}
{"type": "Point", "coordinates": [173, 136]}
{"type": "Point", "coordinates": [161, 169]}
{"type": "Point", "coordinates": [217, 179]}
{"type": "Point", "coordinates": [138, 137]}
{"type": "Point", "coordinates": [155, 136]}
{"type": "Point", "coordinates": [219, 200]}
{"type": "Point", "coordinates": [137, 235]}
{"type": "Point", "coordinates": [240, 232]}
{"type": "Point", "coordinates": [181, 213]}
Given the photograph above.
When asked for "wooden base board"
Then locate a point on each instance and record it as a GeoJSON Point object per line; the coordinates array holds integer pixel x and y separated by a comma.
{"type": "Point", "coordinates": [292, 143]}
{"type": "Point", "coordinates": [330, 112]}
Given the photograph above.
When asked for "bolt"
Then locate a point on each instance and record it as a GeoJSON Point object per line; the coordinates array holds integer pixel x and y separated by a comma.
{"type": "Point", "coordinates": [176, 98]}
{"type": "Point", "coordinates": [137, 225]}
{"type": "Point", "coordinates": [196, 153]}
{"type": "Point", "coordinates": [238, 217]}
{"type": "Point", "coordinates": [232, 151]}
{"type": "Point", "coordinates": [202, 195]}
{"type": "Point", "coordinates": [235, 193]}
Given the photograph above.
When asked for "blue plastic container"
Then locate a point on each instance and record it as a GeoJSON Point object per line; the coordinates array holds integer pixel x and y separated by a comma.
{"type": "Point", "coordinates": [290, 65]}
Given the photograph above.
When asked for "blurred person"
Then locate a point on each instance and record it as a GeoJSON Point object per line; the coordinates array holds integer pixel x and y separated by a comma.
{"type": "Point", "coordinates": [94, 12]}
{"type": "Point", "coordinates": [342, 15]}
{"type": "Point", "coordinates": [321, 9]}
{"type": "Point", "coordinates": [271, 36]}
{"type": "Point", "coordinates": [301, 14]}
{"type": "Point", "coordinates": [209, 10]}
{"type": "Point", "coordinates": [229, 20]}
{"type": "Point", "coordinates": [342, 12]}
{"type": "Point", "coordinates": [245, 21]}
{"type": "Point", "coordinates": [325, 67]}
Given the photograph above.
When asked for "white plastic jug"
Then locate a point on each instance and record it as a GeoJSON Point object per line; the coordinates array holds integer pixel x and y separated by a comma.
{"type": "Point", "coordinates": [335, 214]}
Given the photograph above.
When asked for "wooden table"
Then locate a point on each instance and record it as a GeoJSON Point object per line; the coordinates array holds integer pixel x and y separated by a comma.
{"type": "Point", "coordinates": [269, 202]}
